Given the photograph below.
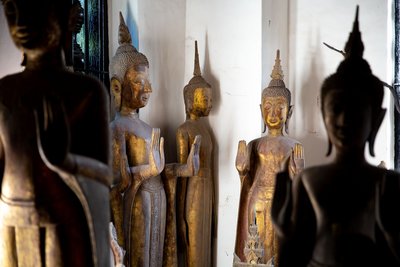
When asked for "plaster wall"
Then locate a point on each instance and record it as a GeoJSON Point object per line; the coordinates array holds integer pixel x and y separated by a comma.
{"type": "Point", "coordinates": [10, 56]}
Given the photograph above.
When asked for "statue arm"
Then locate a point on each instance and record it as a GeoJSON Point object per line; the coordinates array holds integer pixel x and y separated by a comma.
{"type": "Point", "coordinates": [192, 165]}
{"type": "Point", "coordinates": [388, 216]}
{"type": "Point", "coordinates": [156, 159]}
{"type": "Point", "coordinates": [182, 142]}
{"type": "Point", "coordinates": [53, 140]}
{"type": "Point", "coordinates": [298, 239]}
{"type": "Point", "coordinates": [120, 166]}
{"type": "Point", "coordinates": [243, 159]}
{"type": "Point", "coordinates": [296, 165]}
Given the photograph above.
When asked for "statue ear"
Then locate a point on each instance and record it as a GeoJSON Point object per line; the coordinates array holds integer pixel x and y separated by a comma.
{"type": "Point", "coordinates": [116, 91]}
{"type": "Point", "coordinates": [289, 115]}
{"type": "Point", "coordinates": [262, 116]}
{"type": "Point", "coordinates": [328, 153]}
{"type": "Point", "coordinates": [374, 130]}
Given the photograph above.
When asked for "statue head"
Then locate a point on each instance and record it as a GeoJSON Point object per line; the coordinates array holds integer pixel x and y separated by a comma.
{"type": "Point", "coordinates": [351, 99]}
{"type": "Point", "coordinates": [275, 101]}
{"type": "Point", "coordinates": [197, 93]}
{"type": "Point", "coordinates": [129, 74]}
{"type": "Point", "coordinates": [37, 26]}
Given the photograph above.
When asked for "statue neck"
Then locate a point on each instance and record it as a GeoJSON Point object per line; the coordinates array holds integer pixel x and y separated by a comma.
{"type": "Point", "coordinates": [53, 59]}
{"type": "Point", "coordinates": [275, 132]}
{"type": "Point", "coordinates": [129, 112]}
{"type": "Point", "coordinates": [350, 156]}
{"type": "Point", "coordinates": [193, 117]}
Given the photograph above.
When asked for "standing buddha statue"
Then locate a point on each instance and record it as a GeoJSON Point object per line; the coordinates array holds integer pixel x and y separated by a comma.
{"type": "Point", "coordinates": [195, 193]}
{"type": "Point", "coordinates": [259, 162]}
{"type": "Point", "coordinates": [54, 140]}
{"type": "Point", "coordinates": [346, 212]}
{"type": "Point", "coordinates": [138, 196]}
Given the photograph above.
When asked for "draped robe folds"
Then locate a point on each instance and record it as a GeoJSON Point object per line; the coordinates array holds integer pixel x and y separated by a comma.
{"type": "Point", "coordinates": [143, 208]}
{"type": "Point", "coordinates": [266, 158]}
{"type": "Point", "coordinates": [195, 197]}
{"type": "Point", "coordinates": [52, 217]}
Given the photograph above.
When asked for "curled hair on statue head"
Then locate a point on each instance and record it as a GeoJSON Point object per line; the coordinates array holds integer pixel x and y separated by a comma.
{"type": "Point", "coordinates": [126, 56]}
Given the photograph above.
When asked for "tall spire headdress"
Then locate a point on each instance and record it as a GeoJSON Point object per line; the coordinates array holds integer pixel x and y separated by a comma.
{"type": "Point", "coordinates": [126, 55]}
{"type": "Point", "coordinates": [197, 81]}
{"type": "Point", "coordinates": [277, 87]}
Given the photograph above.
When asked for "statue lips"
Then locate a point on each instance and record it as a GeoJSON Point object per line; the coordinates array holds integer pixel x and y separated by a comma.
{"type": "Point", "coordinates": [145, 98]}
{"type": "Point", "coordinates": [23, 35]}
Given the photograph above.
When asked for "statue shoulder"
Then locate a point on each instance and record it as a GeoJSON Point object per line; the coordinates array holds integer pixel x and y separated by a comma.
{"type": "Point", "coordinates": [87, 84]}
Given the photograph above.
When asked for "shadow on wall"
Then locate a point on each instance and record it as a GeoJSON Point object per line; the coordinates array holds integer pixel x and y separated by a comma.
{"type": "Point", "coordinates": [314, 142]}
{"type": "Point", "coordinates": [132, 25]}
{"type": "Point", "coordinates": [163, 38]}
{"type": "Point", "coordinates": [216, 102]}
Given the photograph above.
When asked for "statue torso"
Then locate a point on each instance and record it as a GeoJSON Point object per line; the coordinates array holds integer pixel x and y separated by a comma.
{"type": "Point", "coordinates": [25, 175]}
{"type": "Point", "coordinates": [267, 155]}
{"type": "Point", "coordinates": [196, 127]}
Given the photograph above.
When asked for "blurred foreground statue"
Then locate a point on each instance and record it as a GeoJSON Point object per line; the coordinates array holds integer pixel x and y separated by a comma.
{"type": "Point", "coordinates": [195, 193]}
{"type": "Point", "coordinates": [346, 213]}
{"type": "Point", "coordinates": [54, 207]}
{"type": "Point", "coordinates": [143, 214]}
{"type": "Point", "coordinates": [259, 162]}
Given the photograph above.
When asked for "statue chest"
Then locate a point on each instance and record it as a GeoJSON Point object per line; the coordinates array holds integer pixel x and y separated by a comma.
{"type": "Point", "coordinates": [137, 148]}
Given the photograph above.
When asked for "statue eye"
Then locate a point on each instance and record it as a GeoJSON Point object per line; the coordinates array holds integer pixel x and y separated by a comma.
{"type": "Point", "coordinates": [9, 7]}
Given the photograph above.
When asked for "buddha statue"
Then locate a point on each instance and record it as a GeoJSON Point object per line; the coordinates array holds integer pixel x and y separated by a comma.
{"type": "Point", "coordinates": [195, 193]}
{"type": "Point", "coordinates": [258, 163]}
{"type": "Point", "coordinates": [140, 210]}
{"type": "Point", "coordinates": [54, 143]}
{"type": "Point", "coordinates": [344, 213]}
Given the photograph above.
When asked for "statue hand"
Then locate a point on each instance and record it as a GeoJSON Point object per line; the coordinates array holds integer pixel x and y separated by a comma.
{"type": "Point", "coordinates": [126, 174]}
{"type": "Point", "coordinates": [156, 155]}
{"type": "Point", "coordinates": [52, 132]}
{"type": "Point", "coordinates": [192, 166]}
{"type": "Point", "coordinates": [297, 159]}
{"type": "Point", "coordinates": [242, 158]}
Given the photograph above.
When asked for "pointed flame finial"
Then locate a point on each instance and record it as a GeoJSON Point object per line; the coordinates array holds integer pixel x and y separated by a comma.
{"type": "Point", "coordinates": [124, 36]}
{"type": "Point", "coordinates": [354, 46]}
{"type": "Point", "coordinates": [196, 71]}
{"type": "Point", "coordinates": [277, 73]}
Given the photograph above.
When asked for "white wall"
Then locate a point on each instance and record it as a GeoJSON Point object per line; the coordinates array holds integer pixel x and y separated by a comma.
{"type": "Point", "coordinates": [330, 21]}
{"type": "Point", "coordinates": [10, 56]}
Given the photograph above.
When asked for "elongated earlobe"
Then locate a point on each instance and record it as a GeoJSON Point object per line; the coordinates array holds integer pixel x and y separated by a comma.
{"type": "Point", "coordinates": [328, 153]}
{"type": "Point", "coordinates": [374, 131]}
{"type": "Point", "coordinates": [262, 116]}
{"type": "Point", "coordinates": [289, 115]}
{"type": "Point", "coordinates": [116, 91]}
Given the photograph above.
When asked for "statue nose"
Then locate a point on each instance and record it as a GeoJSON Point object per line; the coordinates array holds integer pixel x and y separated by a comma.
{"type": "Point", "coordinates": [147, 88]}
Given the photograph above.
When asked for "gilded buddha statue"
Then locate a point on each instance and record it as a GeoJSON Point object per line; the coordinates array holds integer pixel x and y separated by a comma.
{"type": "Point", "coordinates": [344, 213]}
{"type": "Point", "coordinates": [139, 205]}
{"type": "Point", "coordinates": [195, 193]}
{"type": "Point", "coordinates": [258, 163]}
{"type": "Point", "coordinates": [54, 143]}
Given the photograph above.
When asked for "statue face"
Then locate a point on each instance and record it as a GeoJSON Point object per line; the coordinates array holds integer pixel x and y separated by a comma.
{"type": "Point", "coordinates": [33, 25]}
{"type": "Point", "coordinates": [202, 101]}
{"type": "Point", "coordinates": [347, 120]}
{"type": "Point", "coordinates": [275, 111]}
{"type": "Point", "coordinates": [136, 88]}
